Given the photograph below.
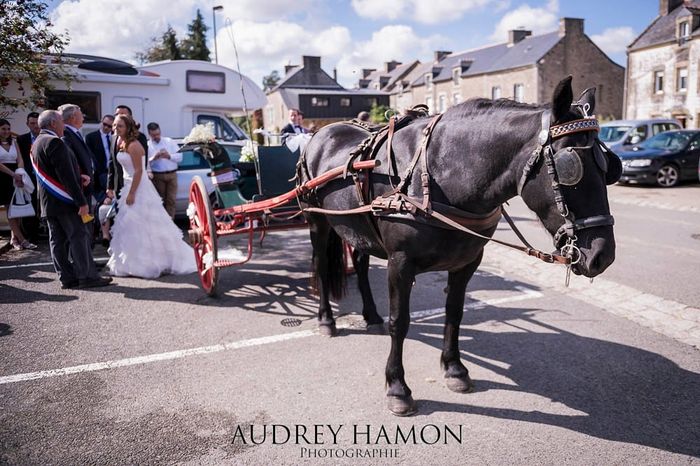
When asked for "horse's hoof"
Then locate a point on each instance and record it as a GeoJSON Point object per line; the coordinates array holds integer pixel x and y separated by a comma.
{"type": "Point", "coordinates": [401, 405]}
{"type": "Point", "coordinates": [460, 384]}
{"type": "Point", "coordinates": [376, 329]}
{"type": "Point", "coordinates": [327, 330]}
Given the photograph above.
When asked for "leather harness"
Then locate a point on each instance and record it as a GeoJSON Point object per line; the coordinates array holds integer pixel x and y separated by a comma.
{"type": "Point", "coordinates": [397, 203]}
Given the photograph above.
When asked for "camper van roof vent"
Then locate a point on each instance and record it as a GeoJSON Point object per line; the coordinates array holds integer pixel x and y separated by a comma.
{"type": "Point", "coordinates": [109, 66]}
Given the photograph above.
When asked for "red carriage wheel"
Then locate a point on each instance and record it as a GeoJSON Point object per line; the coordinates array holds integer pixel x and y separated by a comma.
{"type": "Point", "coordinates": [203, 236]}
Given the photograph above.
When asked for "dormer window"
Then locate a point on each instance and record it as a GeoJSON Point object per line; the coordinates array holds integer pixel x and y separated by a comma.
{"type": "Point", "coordinates": [684, 30]}
{"type": "Point", "coordinates": [455, 75]}
{"type": "Point", "coordinates": [429, 81]}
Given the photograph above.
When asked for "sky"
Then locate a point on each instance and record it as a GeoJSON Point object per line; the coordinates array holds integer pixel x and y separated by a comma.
{"type": "Point", "coordinates": [349, 35]}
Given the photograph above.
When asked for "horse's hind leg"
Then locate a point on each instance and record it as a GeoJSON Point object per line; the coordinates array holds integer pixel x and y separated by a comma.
{"type": "Point", "coordinates": [369, 309]}
{"type": "Point", "coordinates": [320, 231]}
{"type": "Point", "coordinates": [456, 375]}
{"type": "Point", "coordinates": [401, 277]}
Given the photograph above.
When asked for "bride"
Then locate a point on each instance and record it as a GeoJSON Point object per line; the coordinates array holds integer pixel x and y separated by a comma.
{"type": "Point", "coordinates": [145, 241]}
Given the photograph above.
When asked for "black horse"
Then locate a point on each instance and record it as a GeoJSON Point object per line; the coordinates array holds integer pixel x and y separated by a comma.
{"type": "Point", "coordinates": [480, 154]}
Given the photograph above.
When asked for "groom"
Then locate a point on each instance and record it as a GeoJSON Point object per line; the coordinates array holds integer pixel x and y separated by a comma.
{"type": "Point", "coordinates": [63, 204]}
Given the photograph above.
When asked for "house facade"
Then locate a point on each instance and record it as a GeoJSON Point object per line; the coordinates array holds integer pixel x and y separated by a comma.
{"type": "Point", "coordinates": [663, 79]}
{"type": "Point", "coordinates": [526, 68]}
{"type": "Point", "coordinates": [317, 95]}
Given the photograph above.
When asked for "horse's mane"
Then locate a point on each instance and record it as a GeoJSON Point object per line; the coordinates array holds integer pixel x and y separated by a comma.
{"type": "Point", "coordinates": [479, 105]}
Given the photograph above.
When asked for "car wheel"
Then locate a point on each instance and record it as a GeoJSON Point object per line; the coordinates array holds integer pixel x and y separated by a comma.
{"type": "Point", "coordinates": [667, 176]}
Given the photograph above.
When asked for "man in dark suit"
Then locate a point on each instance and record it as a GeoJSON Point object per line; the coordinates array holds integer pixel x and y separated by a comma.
{"type": "Point", "coordinates": [63, 203]}
{"type": "Point", "coordinates": [294, 126]}
{"type": "Point", "coordinates": [73, 121]}
{"type": "Point", "coordinates": [30, 225]}
{"type": "Point", "coordinates": [100, 143]}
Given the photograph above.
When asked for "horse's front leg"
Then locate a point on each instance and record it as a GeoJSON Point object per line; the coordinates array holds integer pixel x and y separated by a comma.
{"type": "Point", "coordinates": [456, 375]}
{"type": "Point", "coordinates": [360, 261]}
{"type": "Point", "coordinates": [401, 275]}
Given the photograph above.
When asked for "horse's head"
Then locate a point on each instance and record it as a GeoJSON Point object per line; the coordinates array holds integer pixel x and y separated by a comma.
{"type": "Point", "coordinates": [567, 187]}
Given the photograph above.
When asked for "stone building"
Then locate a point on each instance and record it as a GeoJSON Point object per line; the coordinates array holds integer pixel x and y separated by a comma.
{"type": "Point", "coordinates": [319, 97]}
{"type": "Point", "coordinates": [393, 78]}
{"type": "Point", "coordinates": [663, 78]}
{"type": "Point", "coordinates": [526, 68]}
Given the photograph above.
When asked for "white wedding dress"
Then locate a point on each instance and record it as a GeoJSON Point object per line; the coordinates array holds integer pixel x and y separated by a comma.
{"type": "Point", "coordinates": [145, 241]}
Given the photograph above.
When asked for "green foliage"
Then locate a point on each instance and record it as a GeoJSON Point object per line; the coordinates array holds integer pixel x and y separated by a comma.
{"type": "Point", "coordinates": [270, 81]}
{"type": "Point", "coordinates": [378, 114]}
{"type": "Point", "coordinates": [26, 40]}
{"type": "Point", "coordinates": [165, 48]}
{"type": "Point", "coordinates": [194, 46]}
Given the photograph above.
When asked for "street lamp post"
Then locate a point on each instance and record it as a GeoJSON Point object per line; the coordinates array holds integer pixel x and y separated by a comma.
{"type": "Point", "coordinates": [213, 13]}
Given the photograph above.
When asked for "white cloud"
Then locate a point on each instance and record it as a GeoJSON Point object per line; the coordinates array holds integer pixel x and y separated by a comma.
{"type": "Point", "coordinates": [395, 42]}
{"type": "Point", "coordinates": [422, 11]}
{"type": "Point", "coordinates": [614, 40]}
{"type": "Point", "coordinates": [537, 20]}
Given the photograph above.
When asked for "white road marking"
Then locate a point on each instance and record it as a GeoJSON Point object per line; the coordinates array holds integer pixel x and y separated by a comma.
{"type": "Point", "coordinates": [526, 293]}
{"type": "Point", "coordinates": [43, 264]}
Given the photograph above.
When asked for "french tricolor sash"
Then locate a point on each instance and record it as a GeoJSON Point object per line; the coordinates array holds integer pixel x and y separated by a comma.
{"type": "Point", "coordinates": [54, 188]}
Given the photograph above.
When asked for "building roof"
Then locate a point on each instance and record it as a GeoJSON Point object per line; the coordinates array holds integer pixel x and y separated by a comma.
{"type": "Point", "coordinates": [663, 28]}
{"type": "Point", "coordinates": [492, 58]}
{"type": "Point", "coordinates": [391, 78]}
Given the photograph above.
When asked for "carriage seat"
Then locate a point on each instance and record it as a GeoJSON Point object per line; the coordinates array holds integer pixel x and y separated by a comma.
{"type": "Point", "coordinates": [277, 169]}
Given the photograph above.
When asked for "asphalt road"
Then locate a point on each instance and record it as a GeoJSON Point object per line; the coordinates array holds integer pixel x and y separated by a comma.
{"type": "Point", "coordinates": [153, 371]}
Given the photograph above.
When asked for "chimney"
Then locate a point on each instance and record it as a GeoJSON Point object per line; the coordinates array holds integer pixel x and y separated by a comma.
{"type": "Point", "coordinates": [516, 35]}
{"type": "Point", "coordinates": [335, 74]}
{"type": "Point", "coordinates": [288, 68]}
{"type": "Point", "coordinates": [667, 6]}
{"type": "Point", "coordinates": [367, 71]}
{"type": "Point", "coordinates": [440, 54]}
{"type": "Point", "coordinates": [390, 66]}
{"type": "Point", "coordinates": [311, 63]}
{"type": "Point", "coordinates": [570, 27]}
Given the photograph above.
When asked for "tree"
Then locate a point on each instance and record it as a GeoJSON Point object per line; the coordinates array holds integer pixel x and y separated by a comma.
{"type": "Point", "coordinates": [378, 113]}
{"type": "Point", "coordinates": [167, 48]}
{"type": "Point", "coordinates": [26, 40]}
{"type": "Point", "coordinates": [270, 81]}
{"type": "Point", "coordinates": [194, 46]}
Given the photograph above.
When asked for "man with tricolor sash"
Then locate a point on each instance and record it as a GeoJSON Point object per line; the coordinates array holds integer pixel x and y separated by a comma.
{"type": "Point", "coordinates": [63, 204]}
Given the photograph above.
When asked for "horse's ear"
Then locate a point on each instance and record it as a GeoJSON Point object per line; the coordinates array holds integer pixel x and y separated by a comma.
{"type": "Point", "coordinates": [588, 97]}
{"type": "Point", "coordinates": [563, 96]}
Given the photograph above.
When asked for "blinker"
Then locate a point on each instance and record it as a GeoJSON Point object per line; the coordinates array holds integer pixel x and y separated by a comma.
{"type": "Point", "coordinates": [568, 166]}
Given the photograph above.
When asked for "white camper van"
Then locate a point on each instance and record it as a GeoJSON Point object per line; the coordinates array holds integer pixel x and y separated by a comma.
{"type": "Point", "coordinates": [176, 94]}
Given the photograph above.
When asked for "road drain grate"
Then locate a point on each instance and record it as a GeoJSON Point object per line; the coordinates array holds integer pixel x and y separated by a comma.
{"type": "Point", "coordinates": [291, 322]}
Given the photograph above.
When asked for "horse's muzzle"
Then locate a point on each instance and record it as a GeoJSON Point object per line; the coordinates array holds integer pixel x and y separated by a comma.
{"type": "Point", "coordinates": [598, 255]}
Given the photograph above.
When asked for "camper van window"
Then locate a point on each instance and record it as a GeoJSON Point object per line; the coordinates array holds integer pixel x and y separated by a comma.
{"type": "Point", "coordinates": [89, 103]}
{"type": "Point", "coordinates": [206, 81]}
{"type": "Point", "coordinates": [222, 129]}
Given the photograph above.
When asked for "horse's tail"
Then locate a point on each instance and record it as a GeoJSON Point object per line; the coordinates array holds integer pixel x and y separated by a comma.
{"type": "Point", "coordinates": [335, 258]}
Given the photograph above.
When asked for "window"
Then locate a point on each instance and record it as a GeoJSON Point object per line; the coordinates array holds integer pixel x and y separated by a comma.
{"type": "Point", "coordinates": [429, 81]}
{"type": "Point", "coordinates": [519, 93]}
{"type": "Point", "coordinates": [271, 115]}
{"type": "Point", "coordinates": [456, 98]}
{"type": "Point", "coordinates": [684, 30]}
{"type": "Point", "coordinates": [319, 102]}
{"type": "Point", "coordinates": [345, 102]}
{"type": "Point", "coordinates": [496, 92]}
{"type": "Point", "coordinates": [222, 129]}
{"type": "Point", "coordinates": [695, 144]}
{"type": "Point", "coordinates": [376, 86]}
{"type": "Point", "coordinates": [658, 82]}
{"type": "Point", "coordinates": [682, 79]}
{"type": "Point", "coordinates": [206, 81]}
{"type": "Point", "coordinates": [371, 101]}
{"type": "Point", "coordinates": [429, 103]}
{"type": "Point", "coordinates": [657, 128]}
{"type": "Point", "coordinates": [442, 103]}
{"type": "Point", "coordinates": [455, 76]}
{"type": "Point", "coordinates": [89, 103]}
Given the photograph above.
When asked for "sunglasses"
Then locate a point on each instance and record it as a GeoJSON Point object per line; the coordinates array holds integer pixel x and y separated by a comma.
{"type": "Point", "coordinates": [106, 125]}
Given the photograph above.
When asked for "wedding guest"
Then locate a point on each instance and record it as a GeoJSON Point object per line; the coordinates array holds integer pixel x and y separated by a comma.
{"type": "Point", "coordinates": [73, 121]}
{"type": "Point", "coordinates": [31, 226]}
{"type": "Point", "coordinates": [99, 142]}
{"type": "Point", "coordinates": [63, 203]}
{"type": "Point", "coordinates": [294, 126]}
{"type": "Point", "coordinates": [10, 161]}
{"type": "Point", "coordinates": [163, 159]}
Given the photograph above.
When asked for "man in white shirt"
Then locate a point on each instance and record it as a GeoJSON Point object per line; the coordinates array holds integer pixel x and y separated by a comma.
{"type": "Point", "coordinates": [163, 159]}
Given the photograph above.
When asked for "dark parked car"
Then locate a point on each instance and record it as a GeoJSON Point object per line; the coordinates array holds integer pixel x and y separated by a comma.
{"type": "Point", "coordinates": [665, 159]}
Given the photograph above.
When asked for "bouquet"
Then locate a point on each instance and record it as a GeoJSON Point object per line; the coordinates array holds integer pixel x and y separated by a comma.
{"type": "Point", "coordinates": [249, 152]}
{"type": "Point", "coordinates": [201, 134]}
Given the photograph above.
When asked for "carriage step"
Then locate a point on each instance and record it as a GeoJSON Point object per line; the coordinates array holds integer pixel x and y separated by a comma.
{"type": "Point", "coordinates": [227, 263]}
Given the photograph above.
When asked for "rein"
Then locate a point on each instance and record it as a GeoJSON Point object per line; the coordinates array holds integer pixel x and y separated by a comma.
{"type": "Point", "coordinates": [398, 202]}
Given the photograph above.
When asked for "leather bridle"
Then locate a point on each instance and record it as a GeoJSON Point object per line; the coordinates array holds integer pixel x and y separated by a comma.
{"type": "Point", "coordinates": [565, 237]}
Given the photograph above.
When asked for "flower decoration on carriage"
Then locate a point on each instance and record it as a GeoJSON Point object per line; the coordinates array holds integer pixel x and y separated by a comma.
{"type": "Point", "coordinates": [201, 134]}
{"type": "Point", "coordinates": [249, 152]}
